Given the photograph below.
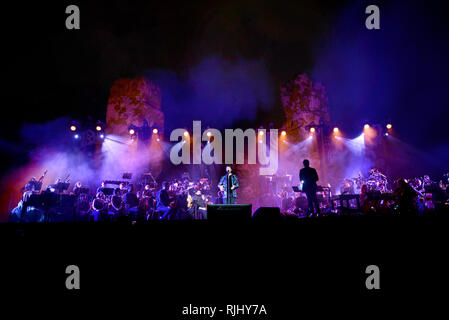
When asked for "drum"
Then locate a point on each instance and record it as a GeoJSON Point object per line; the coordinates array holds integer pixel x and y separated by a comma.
{"type": "Point", "coordinates": [347, 186]}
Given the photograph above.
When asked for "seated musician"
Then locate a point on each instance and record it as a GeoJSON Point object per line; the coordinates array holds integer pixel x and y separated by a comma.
{"type": "Point", "coordinates": [131, 201]}
{"type": "Point", "coordinates": [77, 188]}
{"type": "Point", "coordinates": [117, 203]}
{"type": "Point", "coordinates": [102, 187]}
{"type": "Point", "coordinates": [199, 206]}
{"type": "Point", "coordinates": [123, 189]}
{"type": "Point", "coordinates": [98, 206]}
{"type": "Point", "coordinates": [163, 201]}
{"type": "Point", "coordinates": [364, 202]}
{"type": "Point", "coordinates": [180, 204]}
{"type": "Point", "coordinates": [407, 198]}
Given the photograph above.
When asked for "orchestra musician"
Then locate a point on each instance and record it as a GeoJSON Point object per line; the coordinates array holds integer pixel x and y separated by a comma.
{"type": "Point", "coordinates": [163, 201]}
{"type": "Point", "coordinates": [117, 205]}
{"type": "Point", "coordinates": [199, 206]}
{"type": "Point", "coordinates": [102, 187]}
{"type": "Point", "coordinates": [123, 189]}
{"type": "Point", "coordinates": [407, 198]}
{"type": "Point", "coordinates": [99, 207]}
{"type": "Point", "coordinates": [77, 188]}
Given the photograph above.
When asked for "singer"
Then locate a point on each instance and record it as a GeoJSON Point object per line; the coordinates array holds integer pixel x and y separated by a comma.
{"type": "Point", "coordinates": [228, 185]}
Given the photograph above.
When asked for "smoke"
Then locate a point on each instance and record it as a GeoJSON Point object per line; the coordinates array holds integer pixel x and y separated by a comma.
{"type": "Point", "coordinates": [217, 92]}
{"type": "Point", "coordinates": [398, 75]}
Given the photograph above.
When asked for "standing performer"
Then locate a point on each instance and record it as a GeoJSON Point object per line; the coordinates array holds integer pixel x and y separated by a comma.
{"type": "Point", "coordinates": [228, 185]}
{"type": "Point", "coordinates": [308, 176]}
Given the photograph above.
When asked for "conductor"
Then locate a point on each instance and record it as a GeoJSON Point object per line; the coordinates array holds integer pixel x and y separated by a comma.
{"type": "Point", "coordinates": [309, 177]}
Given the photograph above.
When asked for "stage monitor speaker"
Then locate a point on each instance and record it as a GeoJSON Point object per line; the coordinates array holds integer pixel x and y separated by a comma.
{"type": "Point", "coordinates": [268, 214]}
{"type": "Point", "coordinates": [229, 212]}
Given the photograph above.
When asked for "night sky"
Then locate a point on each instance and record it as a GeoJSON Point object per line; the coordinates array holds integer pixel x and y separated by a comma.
{"type": "Point", "coordinates": [397, 74]}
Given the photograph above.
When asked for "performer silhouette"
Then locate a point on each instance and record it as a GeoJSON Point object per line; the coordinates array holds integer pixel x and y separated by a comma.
{"type": "Point", "coordinates": [228, 185]}
{"type": "Point", "coordinates": [309, 177]}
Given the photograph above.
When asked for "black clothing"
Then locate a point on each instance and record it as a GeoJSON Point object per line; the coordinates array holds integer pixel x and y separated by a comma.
{"type": "Point", "coordinates": [162, 198]}
{"type": "Point", "coordinates": [227, 181]}
{"type": "Point", "coordinates": [309, 178]}
{"type": "Point", "coordinates": [130, 200]}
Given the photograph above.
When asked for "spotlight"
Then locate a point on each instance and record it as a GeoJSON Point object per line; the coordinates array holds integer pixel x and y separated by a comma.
{"type": "Point", "coordinates": [386, 134]}
{"type": "Point", "coordinates": [131, 131]}
{"type": "Point", "coordinates": [283, 133]}
{"type": "Point", "coordinates": [336, 130]}
{"type": "Point", "coordinates": [101, 136]}
{"type": "Point", "coordinates": [155, 131]}
{"type": "Point", "coordinates": [186, 133]}
{"type": "Point", "coordinates": [158, 139]}
{"type": "Point", "coordinates": [98, 128]}
{"type": "Point", "coordinates": [260, 141]}
{"type": "Point", "coordinates": [73, 128]}
{"type": "Point", "coordinates": [76, 136]}
{"type": "Point", "coordinates": [312, 130]}
{"type": "Point", "coordinates": [389, 126]}
{"type": "Point", "coordinates": [366, 126]}
{"type": "Point", "coordinates": [260, 133]}
{"type": "Point", "coordinates": [209, 133]}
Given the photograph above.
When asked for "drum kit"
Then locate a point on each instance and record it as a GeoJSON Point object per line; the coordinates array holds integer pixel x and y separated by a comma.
{"type": "Point", "coordinates": [376, 181]}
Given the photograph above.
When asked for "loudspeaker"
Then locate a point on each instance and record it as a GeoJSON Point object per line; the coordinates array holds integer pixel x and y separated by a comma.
{"type": "Point", "coordinates": [268, 214]}
{"type": "Point", "coordinates": [228, 212]}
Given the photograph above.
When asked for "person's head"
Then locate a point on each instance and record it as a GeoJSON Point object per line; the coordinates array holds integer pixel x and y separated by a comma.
{"type": "Point", "coordinates": [402, 183]}
{"type": "Point", "coordinates": [130, 188]}
{"type": "Point", "coordinates": [147, 187]}
{"type": "Point", "coordinates": [228, 169]}
{"type": "Point", "coordinates": [306, 163]}
{"type": "Point", "coordinates": [364, 188]}
{"type": "Point", "coordinates": [100, 195]}
{"type": "Point", "coordinates": [28, 187]}
{"type": "Point", "coordinates": [122, 186]}
{"type": "Point", "coordinates": [165, 185]}
{"type": "Point", "coordinates": [58, 180]}
{"type": "Point", "coordinates": [78, 184]}
{"type": "Point", "coordinates": [117, 191]}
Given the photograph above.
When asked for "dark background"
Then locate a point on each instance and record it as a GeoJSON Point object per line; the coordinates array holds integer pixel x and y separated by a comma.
{"type": "Point", "coordinates": [397, 74]}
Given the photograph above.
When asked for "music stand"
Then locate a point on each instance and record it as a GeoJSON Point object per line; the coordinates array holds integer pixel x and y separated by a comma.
{"type": "Point", "coordinates": [84, 190]}
{"type": "Point", "coordinates": [127, 175]}
{"type": "Point", "coordinates": [62, 186]}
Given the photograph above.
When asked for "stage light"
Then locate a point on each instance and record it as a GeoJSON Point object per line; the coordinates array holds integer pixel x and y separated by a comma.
{"type": "Point", "coordinates": [73, 128]}
{"type": "Point", "coordinates": [155, 131]}
{"type": "Point", "coordinates": [312, 130]}
{"type": "Point", "coordinates": [98, 128]}
{"type": "Point", "coordinates": [101, 136]}
{"type": "Point", "coordinates": [366, 126]}
{"type": "Point", "coordinates": [158, 139]}
{"type": "Point", "coordinates": [283, 133]}
{"type": "Point", "coordinates": [186, 133]}
{"type": "Point", "coordinates": [209, 133]}
{"type": "Point", "coordinates": [336, 130]}
{"type": "Point", "coordinates": [386, 134]}
{"type": "Point", "coordinates": [76, 136]}
{"type": "Point", "coordinates": [389, 126]}
{"type": "Point", "coordinates": [260, 133]}
{"type": "Point", "coordinates": [131, 131]}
